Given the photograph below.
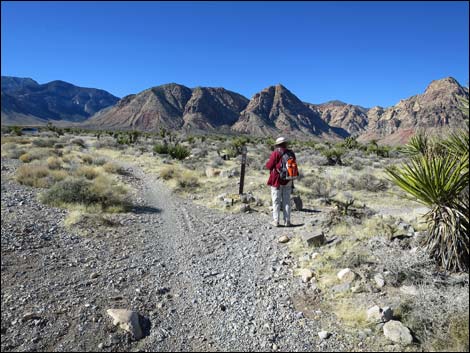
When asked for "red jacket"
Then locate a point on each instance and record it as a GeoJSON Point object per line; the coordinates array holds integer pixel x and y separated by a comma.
{"type": "Point", "coordinates": [273, 164]}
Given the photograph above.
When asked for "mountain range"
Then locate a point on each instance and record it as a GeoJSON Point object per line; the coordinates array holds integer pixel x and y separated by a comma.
{"type": "Point", "coordinates": [275, 110]}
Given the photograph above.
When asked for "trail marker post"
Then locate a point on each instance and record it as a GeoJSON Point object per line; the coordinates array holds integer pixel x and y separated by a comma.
{"type": "Point", "coordinates": [242, 172]}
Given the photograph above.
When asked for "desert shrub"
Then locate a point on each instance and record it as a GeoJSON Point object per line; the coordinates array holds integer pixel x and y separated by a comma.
{"type": "Point", "coordinates": [114, 168]}
{"type": "Point", "coordinates": [168, 172]}
{"type": "Point", "coordinates": [179, 152]}
{"type": "Point", "coordinates": [333, 155]}
{"type": "Point", "coordinates": [58, 145]}
{"type": "Point", "coordinates": [357, 165]}
{"type": "Point", "coordinates": [321, 188]}
{"type": "Point", "coordinates": [73, 190]}
{"type": "Point", "coordinates": [32, 155]}
{"type": "Point", "coordinates": [54, 162]}
{"type": "Point", "coordinates": [86, 158]}
{"type": "Point", "coordinates": [11, 150]}
{"type": "Point", "coordinates": [217, 162]}
{"type": "Point", "coordinates": [33, 175]}
{"type": "Point", "coordinates": [17, 130]}
{"type": "Point", "coordinates": [187, 180]}
{"type": "Point", "coordinates": [78, 142]}
{"type": "Point", "coordinates": [440, 181]}
{"type": "Point", "coordinates": [41, 142]}
{"type": "Point", "coordinates": [161, 148]}
{"type": "Point", "coordinates": [367, 182]}
{"type": "Point", "coordinates": [99, 161]}
{"type": "Point", "coordinates": [87, 172]}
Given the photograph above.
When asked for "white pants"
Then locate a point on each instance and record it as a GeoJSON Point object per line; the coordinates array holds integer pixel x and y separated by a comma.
{"type": "Point", "coordinates": [281, 198]}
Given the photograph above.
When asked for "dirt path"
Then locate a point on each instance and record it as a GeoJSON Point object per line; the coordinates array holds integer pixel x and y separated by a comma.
{"type": "Point", "coordinates": [206, 280]}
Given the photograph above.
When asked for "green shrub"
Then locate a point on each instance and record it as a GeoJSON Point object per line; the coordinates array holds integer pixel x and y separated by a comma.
{"type": "Point", "coordinates": [73, 190]}
{"type": "Point", "coordinates": [179, 152]}
{"type": "Point", "coordinates": [161, 148]}
{"type": "Point", "coordinates": [39, 142]}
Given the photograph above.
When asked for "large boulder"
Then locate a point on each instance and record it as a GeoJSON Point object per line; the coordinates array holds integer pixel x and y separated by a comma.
{"type": "Point", "coordinates": [397, 332]}
{"type": "Point", "coordinates": [127, 320]}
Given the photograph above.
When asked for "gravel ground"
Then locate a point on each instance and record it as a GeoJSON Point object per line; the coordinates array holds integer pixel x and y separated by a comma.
{"type": "Point", "coordinates": [205, 280]}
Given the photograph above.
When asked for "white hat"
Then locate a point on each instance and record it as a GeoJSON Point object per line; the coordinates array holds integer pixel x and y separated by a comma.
{"type": "Point", "coordinates": [280, 140]}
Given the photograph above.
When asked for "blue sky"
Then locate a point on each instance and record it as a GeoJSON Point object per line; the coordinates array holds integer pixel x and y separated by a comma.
{"type": "Point", "coordinates": [366, 53]}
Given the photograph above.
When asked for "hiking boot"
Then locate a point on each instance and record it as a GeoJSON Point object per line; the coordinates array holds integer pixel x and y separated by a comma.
{"type": "Point", "coordinates": [288, 224]}
{"type": "Point", "coordinates": [275, 224]}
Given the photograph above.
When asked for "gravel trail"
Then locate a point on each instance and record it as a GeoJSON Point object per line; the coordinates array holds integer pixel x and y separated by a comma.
{"type": "Point", "coordinates": [206, 280]}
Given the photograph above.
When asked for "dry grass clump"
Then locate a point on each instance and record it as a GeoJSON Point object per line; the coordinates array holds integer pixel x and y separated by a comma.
{"type": "Point", "coordinates": [36, 154]}
{"type": "Point", "coordinates": [87, 171]}
{"type": "Point", "coordinates": [44, 142]}
{"type": "Point", "coordinates": [102, 191]}
{"type": "Point", "coordinates": [86, 158]}
{"type": "Point", "coordinates": [168, 172]}
{"type": "Point", "coordinates": [54, 162]}
{"type": "Point", "coordinates": [33, 175]}
{"type": "Point", "coordinates": [114, 168]}
{"type": "Point", "coordinates": [15, 139]}
{"type": "Point", "coordinates": [78, 142]}
{"type": "Point", "coordinates": [11, 150]}
{"type": "Point", "coordinates": [187, 180]}
{"type": "Point", "coordinates": [351, 314]}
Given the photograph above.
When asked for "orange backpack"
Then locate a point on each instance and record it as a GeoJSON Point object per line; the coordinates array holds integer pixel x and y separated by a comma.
{"type": "Point", "coordinates": [288, 169]}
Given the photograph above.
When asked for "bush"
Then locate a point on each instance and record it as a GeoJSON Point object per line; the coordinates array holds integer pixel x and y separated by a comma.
{"type": "Point", "coordinates": [78, 142]}
{"type": "Point", "coordinates": [39, 142]}
{"type": "Point", "coordinates": [34, 155]}
{"type": "Point", "coordinates": [161, 148]}
{"type": "Point", "coordinates": [179, 152]}
{"type": "Point", "coordinates": [86, 158]}
{"type": "Point", "coordinates": [33, 175]}
{"type": "Point", "coordinates": [114, 168]}
{"type": "Point", "coordinates": [440, 181]}
{"type": "Point", "coordinates": [87, 172]}
{"type": "Point", "coordinates": [168, 172]}
{"type": "Point", "coordinates": [54, 162]}
{"type": "Point", "coordinates": [12, 151]}
{"type": "Point", "coordinates": [73, 190]}
{"type": "Point", "coordinates": [187, 180]}
{"type": "Point", "coordinates": [367, 182]}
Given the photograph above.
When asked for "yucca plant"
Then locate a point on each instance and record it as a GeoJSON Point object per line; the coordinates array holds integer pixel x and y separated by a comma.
{"type": "Point", "coordinates": [440, 181]}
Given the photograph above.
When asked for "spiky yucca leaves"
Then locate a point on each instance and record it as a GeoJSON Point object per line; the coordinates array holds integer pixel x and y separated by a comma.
{"type": "Point", "coordinates": [439, 181]}
{"type": "Point", "coordinates": [456, 143]}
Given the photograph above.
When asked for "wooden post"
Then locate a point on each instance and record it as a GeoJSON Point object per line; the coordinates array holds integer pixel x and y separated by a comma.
{"type": "Point", "coordinates": [242, 172]}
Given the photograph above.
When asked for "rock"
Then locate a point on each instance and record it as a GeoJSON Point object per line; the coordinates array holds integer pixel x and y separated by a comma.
{"type": "Point", "coordinates": [306, 275]}
{"type": "Point", "coordinates": [379, 280]}
{"type": "Point", "coordinates": [410, 290]}
{"type": "Point", "coordinates": [244, 208]}
{"type": "Point", "coordinates": [94, 275]}
{"type": "Point", "coordinates": [387, 314]}
{"type": "Point", "coordinates": [346, 275]}
{"type": "Point", "coordinates": [127, 320]}
{"type": "Point", "coordinates": [101, 346]}
{"type": "Point", "coordinates": [316, 238]}
{"type": "Point", "coordinates": [358, 288]}
{"type": "Point", "coordinates": [30, 316]}
{"type": "Point", "coordinates": [374, 313]}
{"type": "Point", "coordinates": [314, 255]}
{"type": "Point", "coordinates": [283, 239]}
{"type": "Point", "coordinates": [298, 204]}
{"type": "Point", "coordinates": [341, 288]}
{"type": "Point", "coordinates": [211, 172]}
{"type": "Point", "coordinates": [397, 332]}
{"type": "Point", "coordinates": [323, 335]}
{"type": "Point", "coordinates": [221, 197]}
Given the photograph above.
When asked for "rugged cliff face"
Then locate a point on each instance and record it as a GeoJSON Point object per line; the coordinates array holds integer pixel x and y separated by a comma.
{"type": "Point", "coordinates": [437, 107]}
{"type": "Point", "coordinates": [277, 110]}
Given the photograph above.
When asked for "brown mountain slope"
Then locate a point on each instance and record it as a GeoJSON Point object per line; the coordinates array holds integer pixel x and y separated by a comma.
{"type": "Point", "coordinates": [211, 108]}
{"type": "Point", "coordinates": [161, 106]}
{"type": "Point", "coordinates": [437, 107]}
{"type": "Point", "coordinates": [276, 110]}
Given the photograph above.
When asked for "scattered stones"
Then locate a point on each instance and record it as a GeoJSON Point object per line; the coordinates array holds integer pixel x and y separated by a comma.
{"type": "Point", "coordinates": [346, 275]}
{"type": "Point", "coordinates": [409, 290]}
{"type": "Point", "coordinates": [316, 238]}
{"type": "Point", "coordinates": [283, 239]}
{"type": "Point", "coordinates": [374, 314]}
{"type": "Point", "coordinates": [397, 332]}
{"type": "Point", "coordinates": [306, 275]}
{"type": "Point", "coordinates": [244, 208]}
{"type": "Point", "coordinates": [324, 335]}
{"type": "Point", "coordinates": [379, 280]}
{"type": "Point", "coordinates": [127, 320]}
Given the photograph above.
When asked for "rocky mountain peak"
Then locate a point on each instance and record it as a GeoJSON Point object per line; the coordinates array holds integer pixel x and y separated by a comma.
{"type": "Point", "coordinates": [447, 85]}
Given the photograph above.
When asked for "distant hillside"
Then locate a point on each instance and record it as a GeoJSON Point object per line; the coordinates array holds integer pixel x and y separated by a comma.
{"type": "Point", "coordinates": [24, 101]}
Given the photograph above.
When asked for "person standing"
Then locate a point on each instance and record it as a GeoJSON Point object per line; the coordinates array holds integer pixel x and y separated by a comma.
{"type": "Point", "coordinates": [280, 189]}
